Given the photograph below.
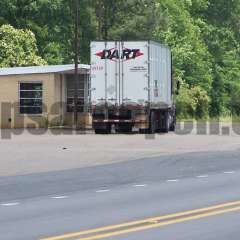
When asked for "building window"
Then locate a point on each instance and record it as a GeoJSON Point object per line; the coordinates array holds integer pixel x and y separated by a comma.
{"type": "Point", "coordinates": [30, 94]}
{"type": "Point", "coordinates": [70, 93]}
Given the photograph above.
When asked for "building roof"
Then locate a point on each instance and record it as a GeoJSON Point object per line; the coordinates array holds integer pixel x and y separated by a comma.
{"type": "Point", "coordinates": [42, 69]}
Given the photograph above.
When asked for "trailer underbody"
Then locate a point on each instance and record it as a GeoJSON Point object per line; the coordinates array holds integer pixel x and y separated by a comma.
{"type": "Point", "coordinates": [144, 120]}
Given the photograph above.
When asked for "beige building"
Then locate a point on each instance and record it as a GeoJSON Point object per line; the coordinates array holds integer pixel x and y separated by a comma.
{"type": "Point", "coordinates": [43, 96]}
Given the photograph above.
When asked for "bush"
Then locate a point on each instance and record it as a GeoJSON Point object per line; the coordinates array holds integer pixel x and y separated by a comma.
{"type": "Point", "coordinates": [192, 103]}
{"type": "Point", "coordinates": [202, 101]}
{"type": "Point", "coordinates": [185, 104]}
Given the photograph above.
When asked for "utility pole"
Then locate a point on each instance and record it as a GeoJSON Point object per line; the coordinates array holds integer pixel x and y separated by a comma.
{"type": "Point", "coordinates": [105, 21]}
{"type": "Point", "coordinates": [76, 48]}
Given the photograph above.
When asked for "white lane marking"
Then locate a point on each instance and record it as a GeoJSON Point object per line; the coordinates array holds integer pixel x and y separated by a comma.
{"type": "Point", "coordinates": [102, 191]}
{"type": "Point", "coordinates": [172, 180]}
{"type": "Point", "coordinates": [59, 197]}
{"type": "Point", "coordinates": [140, 185]}
{"type": "Point", "coordinates": [202, 176]}
{"type": "Point", "coordinates": [9, 204]}
{"type": "Point", "coordinates": [229, 172]}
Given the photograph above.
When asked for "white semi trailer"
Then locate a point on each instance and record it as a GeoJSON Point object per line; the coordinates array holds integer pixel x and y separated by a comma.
{"type": "Point", "coordinates": [132, 87]}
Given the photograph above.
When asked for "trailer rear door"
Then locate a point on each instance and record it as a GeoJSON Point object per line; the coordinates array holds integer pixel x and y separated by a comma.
{"type": "Point", "coordinates": [104, 72]}
{"type": "Point", "coordinates": [135, 78]}
{"type": "Point", "coordinates": [120, 72]}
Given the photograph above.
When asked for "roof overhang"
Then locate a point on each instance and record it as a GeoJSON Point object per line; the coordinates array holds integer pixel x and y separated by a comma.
{"type": "Point", "coordinates": [64, 69]}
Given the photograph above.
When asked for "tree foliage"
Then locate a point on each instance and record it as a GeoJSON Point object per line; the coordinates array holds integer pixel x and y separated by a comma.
{"type": "Point", "coordinates": [18, 48]}
{"type": "Point", "coordinates": [204, 36]}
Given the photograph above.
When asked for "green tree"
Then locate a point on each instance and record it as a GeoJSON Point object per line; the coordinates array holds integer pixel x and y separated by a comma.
{"type": "Point", "coordinates": [18, 48]}
{"type": "Point", "coordinates": [52, 23]}
{"type": "Point", "coordinates": [221, 34]}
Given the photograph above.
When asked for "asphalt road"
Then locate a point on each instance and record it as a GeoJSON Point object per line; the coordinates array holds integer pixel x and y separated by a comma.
{"type": "Point", "coordinates": [51, 204]}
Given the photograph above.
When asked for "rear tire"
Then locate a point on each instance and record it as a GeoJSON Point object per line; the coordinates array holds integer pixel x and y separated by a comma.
{"type": "Point", "coordinates": [143, 131]}
{"type": "Point", "coordinates": [152, 123]}
{"type": "Point", "coordinates": [98, 131]}
{"type": "Point", "coordinates": [166, 125]}
{"type": "Point", "coordinates": [173, 126]}
{"type": "Point", "coordinates": [107, 130]}
{"type": "Point", "coordinates": [124, 128]}
{"type": "Point", "coordinates": [174, 121]}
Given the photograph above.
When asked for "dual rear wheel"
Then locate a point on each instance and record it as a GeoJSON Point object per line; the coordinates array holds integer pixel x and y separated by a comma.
{"type": "Point", "coordinates": [160, 122]}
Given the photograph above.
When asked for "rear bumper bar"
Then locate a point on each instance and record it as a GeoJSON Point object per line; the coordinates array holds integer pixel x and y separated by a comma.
{"type": "Point", "coordinates": [118, 121]}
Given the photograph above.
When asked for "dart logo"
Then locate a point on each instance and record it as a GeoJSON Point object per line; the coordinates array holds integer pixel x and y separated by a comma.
{"type": "Point", "coordinates": [113, 54]}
